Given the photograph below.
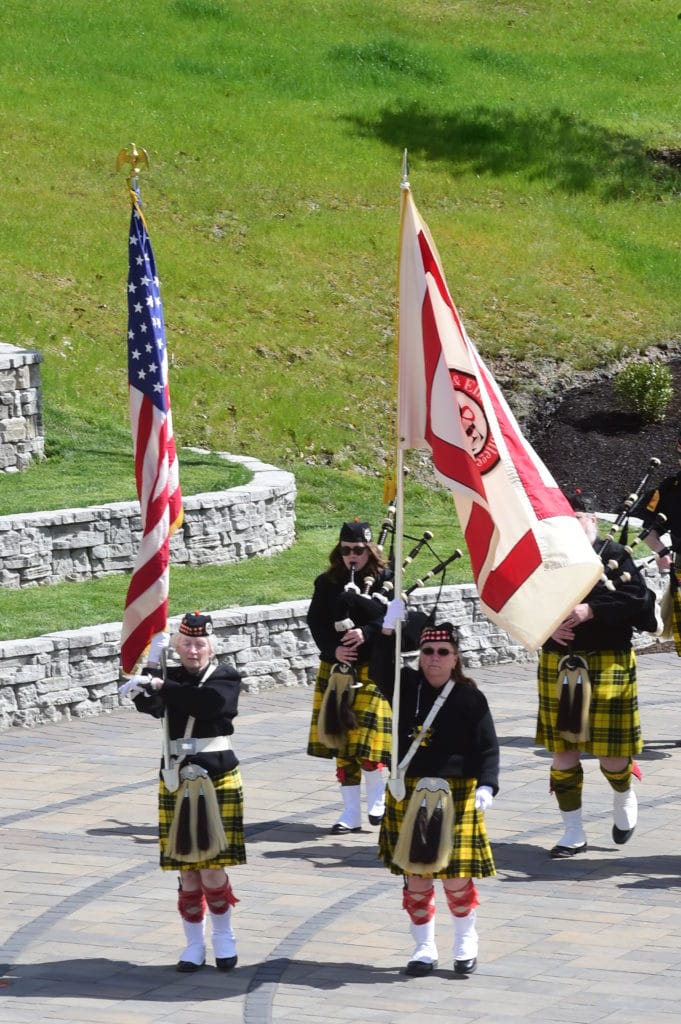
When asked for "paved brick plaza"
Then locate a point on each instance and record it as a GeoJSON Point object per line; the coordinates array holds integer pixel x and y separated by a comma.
{"type": "Point", "coordinates": [90, 933]}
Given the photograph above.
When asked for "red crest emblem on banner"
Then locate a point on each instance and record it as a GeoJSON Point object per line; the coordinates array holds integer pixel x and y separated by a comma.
{"type": "Point", "coordinates": [475, 425]}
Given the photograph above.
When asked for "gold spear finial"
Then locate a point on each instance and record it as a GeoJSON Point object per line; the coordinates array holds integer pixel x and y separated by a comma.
{"type": "Point", "coordinates": [133, 156]}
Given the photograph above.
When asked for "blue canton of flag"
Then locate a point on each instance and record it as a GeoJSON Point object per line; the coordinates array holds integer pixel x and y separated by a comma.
{"type": "Point", "coordinates": [147, 361]}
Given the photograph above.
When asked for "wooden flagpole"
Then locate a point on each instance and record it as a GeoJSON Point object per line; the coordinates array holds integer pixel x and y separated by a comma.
{"type": "Point", "coordinates": [395, 784]}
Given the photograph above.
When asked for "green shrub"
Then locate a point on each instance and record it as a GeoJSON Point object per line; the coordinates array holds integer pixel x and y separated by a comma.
{"type": "Point", "coordinates": [647, 388]}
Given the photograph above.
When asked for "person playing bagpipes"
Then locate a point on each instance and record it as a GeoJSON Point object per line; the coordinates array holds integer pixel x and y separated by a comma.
{"type": "Point", "coordinates": [665, 501]}
{"type": "Point", "coordinates": [588, 699]}
{"type": "Point", "coordinates": [448, 776]}
{"type": "Point", "coordinates": [200, 792]}
{"type": "Point", "coordinates": [350, 719]}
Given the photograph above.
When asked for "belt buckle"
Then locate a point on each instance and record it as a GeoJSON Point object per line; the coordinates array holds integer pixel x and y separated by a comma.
{"type": "Point", "coordinates": [187, 745]}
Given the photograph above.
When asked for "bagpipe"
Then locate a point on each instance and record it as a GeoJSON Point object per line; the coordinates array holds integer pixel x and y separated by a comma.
{"type": "Point", "coordinates": [619, 531]}
{"type": "Point", "coordinates": [365, 601]}
{"type": "Point", "coordinates": [415, 620]}
{"type": "Point", "coordinates": [615, 549]}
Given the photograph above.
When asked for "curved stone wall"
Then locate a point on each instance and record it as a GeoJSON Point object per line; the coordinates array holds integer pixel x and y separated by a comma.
{"type": "Point", "coordinates": [84, 543]}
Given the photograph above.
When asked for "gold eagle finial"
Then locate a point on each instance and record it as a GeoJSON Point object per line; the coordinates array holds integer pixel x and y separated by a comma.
{"type": "Point", "coordinates": [133, 156]}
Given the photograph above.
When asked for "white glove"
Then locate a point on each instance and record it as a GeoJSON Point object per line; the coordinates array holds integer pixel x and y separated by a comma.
{"type": "Point", "coordinates": [484, 798]}
{"type": "Point", "coordinates": [394, 613]}
{"type": "Point", "coordinates": [159, 644]}
{"type": "Point", "coordinates": [134, 686]}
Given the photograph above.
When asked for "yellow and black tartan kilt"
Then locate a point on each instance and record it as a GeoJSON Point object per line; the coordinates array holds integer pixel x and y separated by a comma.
{"type": "Point", "coordinates": [471, 851]}
{"type": "Point", "coordinates": [675, 589]}
{"type": "Point", "coordinates": [372, 739]}
{"type": "Point", "coordinates": [614, 720]}
{"type": "Point", "coordinates": [230, 795]}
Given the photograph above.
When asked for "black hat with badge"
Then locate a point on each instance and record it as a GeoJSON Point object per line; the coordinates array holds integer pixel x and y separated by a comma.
{"type": "Point", "coordinates": [356, 532]}
{"type": "Point", "coordinates": [196, 624]}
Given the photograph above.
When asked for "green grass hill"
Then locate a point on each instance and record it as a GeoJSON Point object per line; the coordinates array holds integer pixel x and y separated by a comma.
{"type": "Point", "coordinates": [543, 143]}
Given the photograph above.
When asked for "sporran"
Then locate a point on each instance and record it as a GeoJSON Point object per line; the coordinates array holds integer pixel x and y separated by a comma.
{"type": "Point", "coordinates": [336, 716]}
{"type": "Point", "coordinates": [573, 691]}
{"type": "Point", "coordinates": [424, 845]}
{"type": "Point", "coordinates": [196, 832]}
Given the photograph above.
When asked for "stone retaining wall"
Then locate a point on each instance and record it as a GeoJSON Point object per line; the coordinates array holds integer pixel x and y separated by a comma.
{"type": "Point", "coordinates": [67, 675]}
{"type": "Point", "coordinates": [72, 674]}
{"type": "Point", "coordinates": [21, 426]}
{"type": "Point", "coordinates": [83, 543]}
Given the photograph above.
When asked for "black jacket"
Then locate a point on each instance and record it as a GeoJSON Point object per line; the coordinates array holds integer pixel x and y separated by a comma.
{"type": "Point", "coordinates": [330, 603]}
{"type": "Point", "coordinates": [616, 613]}
{"type": "Point", "coordinates": [213, 704]}
{"type": "Point", "coordinates": [463, 742]}
{"type": "Point", "coordinates": [667, 499]}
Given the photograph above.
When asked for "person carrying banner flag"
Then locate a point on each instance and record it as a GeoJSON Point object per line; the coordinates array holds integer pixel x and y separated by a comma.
{"type": "Point", "coordinates": [448, 765]}
{"type": "Point", "coordinates": [531, 561]}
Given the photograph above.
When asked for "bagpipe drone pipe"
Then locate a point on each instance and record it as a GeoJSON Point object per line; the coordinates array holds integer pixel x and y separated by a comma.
{"type": "Point", "coordinates": [415, 620]}
{"type": "Point", "coordinates": [617, 553]}
{"type": "Point", "coordinates": [628, 506]}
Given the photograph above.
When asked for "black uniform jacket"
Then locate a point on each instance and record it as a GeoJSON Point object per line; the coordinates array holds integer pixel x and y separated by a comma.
{"type": "Point", "coordinates": [330, 603]}
{"type": "Point", "coordinates": [213, 704]}
{"type": "Point", "coordinates": [616, 613]}
{"type": "Point", "coordinates": [462, 743]}
{"type": "Point", "coordinates": [667, 499]}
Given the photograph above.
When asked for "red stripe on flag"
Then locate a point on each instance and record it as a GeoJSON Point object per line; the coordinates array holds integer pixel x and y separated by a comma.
{"type": "Point", "coordinates": [503, 582]}
{"type": "Point", "coordinates": [145, 575]}
{"type": "Point", "coordinates": [452, 461]}
{"type": "Point", "coordinates": [479, 533]}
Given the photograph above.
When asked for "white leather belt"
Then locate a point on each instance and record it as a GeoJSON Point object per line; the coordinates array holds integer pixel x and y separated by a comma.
{"type": "Point", "coordinates": [195, 745]}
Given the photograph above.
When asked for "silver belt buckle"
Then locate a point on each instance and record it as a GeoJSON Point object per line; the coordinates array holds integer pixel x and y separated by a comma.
{"type": "Point", "coordinates": [191, 772]}
{"type": "Point", "coordinates": [188, 745]}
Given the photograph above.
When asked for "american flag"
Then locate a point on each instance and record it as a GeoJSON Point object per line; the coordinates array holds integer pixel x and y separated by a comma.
{"type": "Point", "coordinates": [156, 467]}
{"type": "Point", "coordinates": [531, 559]}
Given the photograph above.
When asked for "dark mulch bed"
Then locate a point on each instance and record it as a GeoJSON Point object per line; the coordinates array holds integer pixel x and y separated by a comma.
{"type": "Point", "coordinates": [590, 441]}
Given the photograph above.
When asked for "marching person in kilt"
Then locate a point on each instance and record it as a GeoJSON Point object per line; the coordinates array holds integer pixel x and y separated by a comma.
{"type": "Point", "coordinates": [350, 719]}
{"type": "Point", "coordinates": [449, 764]}
{"type": "Point", "coordinates": [200, 791]}
{"type": "Point", "coordinates": [588, 699]}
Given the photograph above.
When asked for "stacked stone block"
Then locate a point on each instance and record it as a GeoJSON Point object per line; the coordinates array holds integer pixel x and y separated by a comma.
{"type": "Point", "coordinates": [21, 428]}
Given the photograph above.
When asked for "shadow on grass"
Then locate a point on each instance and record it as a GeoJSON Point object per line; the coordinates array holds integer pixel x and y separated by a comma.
{"type": "Point", "coordinates": [571, 155]}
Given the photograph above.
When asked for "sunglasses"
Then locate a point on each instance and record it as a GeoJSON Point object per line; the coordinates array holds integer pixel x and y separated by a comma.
{"type": "Point", "coordinates": [353, 549]}
{"type": "Point", "coordinates": [442, 651]}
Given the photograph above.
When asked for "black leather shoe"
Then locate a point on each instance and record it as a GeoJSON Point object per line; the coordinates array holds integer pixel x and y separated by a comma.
{"type": "Point", "coordinates": [375, 819]}
{"type": "Point", "coordinates": [339, 829]}
{"type": "Point", "coordinates": [563, 852]}
{"type": "Point", "coordinates": [465, 966]}
{"type": "Point", "coordinates": [225, 963]}
{"type": "Point", "coordinates": [419, 968]}
{"type": "Point", "coordinates": [621, 835]}
{"type": "Point", "coordinates": [187, 967]}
